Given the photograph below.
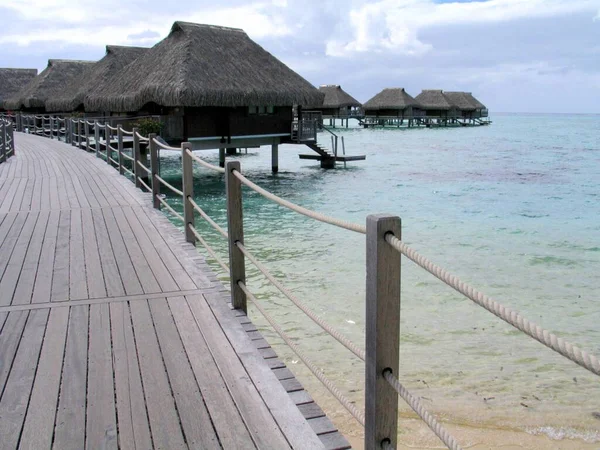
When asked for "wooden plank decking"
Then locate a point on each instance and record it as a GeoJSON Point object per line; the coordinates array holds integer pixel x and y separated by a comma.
{"type": "Point", "coordinates": [114, 333]}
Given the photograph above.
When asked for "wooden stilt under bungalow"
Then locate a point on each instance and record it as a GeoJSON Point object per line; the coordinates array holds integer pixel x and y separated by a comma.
{"type": "Point", "coordinates": [12, 81]}
{"type": "Point", "coordinates": [391, 107]}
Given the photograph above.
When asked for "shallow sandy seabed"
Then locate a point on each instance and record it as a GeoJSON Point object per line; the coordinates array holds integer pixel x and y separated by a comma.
{"type": "Point", "coordinates": [417, 436]}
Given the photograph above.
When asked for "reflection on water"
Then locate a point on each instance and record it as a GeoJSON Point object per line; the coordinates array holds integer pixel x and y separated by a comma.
{"type": "Point", "coordinates": [511, 208]}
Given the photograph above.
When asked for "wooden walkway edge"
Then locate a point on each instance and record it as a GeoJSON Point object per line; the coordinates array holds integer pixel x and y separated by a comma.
{"type": "Point", "coordinates": [115, 333]}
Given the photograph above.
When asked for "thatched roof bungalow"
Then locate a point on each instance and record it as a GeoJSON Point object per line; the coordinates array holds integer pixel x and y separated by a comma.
{"type": "Point", "coordinates": [51, 82]}
{"type": "Point", "coordinates": [392, 103]}
{"type": "Point", "coordinates": [466, 107]}
{"type": "Point", "coordinates": [92, 81]}
{"type": "Point", "coordinates": [480, 109]}
{"type": "Point", "coordinates": [337, 102]}
{"type": "Point", "coordinates": [12, 81]}
{"type": "Point", "coordinates": [437, 104]}
{"type": "Point", "coordinates": [209, 81]}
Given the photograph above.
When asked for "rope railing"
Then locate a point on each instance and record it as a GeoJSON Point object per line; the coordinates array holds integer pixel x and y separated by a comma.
{"type": "Point", "coordinates": [170, 209]}
{"type": "Point", "coordinates": [165, 146]}
{"type": "Point", "coordinates": [128, 133]}
{"type": "Point", "coordinates": [550, 340]}
{"type": "Point", "coordinates": [418, 408]}
{"type": "Point", "coordinates": [112, 128]}
{"type": "Point", "coordinates": [168, 185]}
{"type": "Point", "coordinates": [208, 248]}
{"type": "Point", "coordinates": [204, 163]}
{"type": "Point", "coordinates": [126, 170]}
{"type": "Point", "coordinates": [300, 209]}
{"type": "Point", "coordinates": [345, 402]}
{"type": "Point", "coordinates": [127, 157]}
{"type": "Point", "coordinates": [143, 183]}
{"type": "Point", "coordinates": [360, 353]}
{"type": "Point", "coordinates": [143, 167]}
{"type": "Point", "coordinates": [206, 217]}
{"type": "Point", "coordinates": [141, 138]}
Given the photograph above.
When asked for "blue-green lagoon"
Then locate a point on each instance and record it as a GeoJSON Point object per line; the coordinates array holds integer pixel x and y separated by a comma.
{"type": "Point", "coordinates": [513, 208]}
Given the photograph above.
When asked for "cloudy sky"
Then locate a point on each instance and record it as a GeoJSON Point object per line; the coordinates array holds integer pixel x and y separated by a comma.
{"type": "Point", "coordinates": [515, 55]}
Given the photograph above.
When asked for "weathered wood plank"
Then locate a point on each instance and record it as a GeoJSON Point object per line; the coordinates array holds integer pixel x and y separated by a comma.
{"type": "Point", "coordinates": [43, 280]}
{"type": "Point", "coordinates": [69, 431]}
{"type": "Point", "coordinates": [322, 425]}
{"type": "Point", "coordinates": [134, 431]}
{"type": "Point", "coordinates": [101, 422]}
{"type": "Point", "coordinates": [39, 423]}
{"type": "Point", "coordinates": [15, 398]}
{"type": "Point", "coordinates": [60, 275]}
{"type": "Point", "coordinates": [93, 267]}
{"type": "Point", "coordinates": [311, 410]}
{"type": "Point", "coordinates": [193, 414]}
{"type": "Point", "coordinates": [164, 420]}
{"type": "Point", "coordinates": [78, 287]}
{"type": "Point", "coordinates": [334, 441]}
{"type": "Point", "coordinates": [226, 418]}
{"type": "Point", "coordinates": [9, 342]}
{"type": "Point", "coordinates": [110, 270]}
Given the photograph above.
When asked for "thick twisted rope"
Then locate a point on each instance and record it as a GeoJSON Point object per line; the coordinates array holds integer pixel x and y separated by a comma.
{"type": "Point", "coordinates": [126, 170]}
{"type": "Point", "coordinates": [124, 155]}
{"type": "Point", "coordinates": [141, 138]}
{"type": "Point", "coordinates": [171, 187]}
{"type": "Point", "coordinates": [143, 167]}
{"type": "Point", "coordinates": [353, 410]}
{"type": "Point", "coordinates": [148, 188]}
{"type": "Point", "coordinates": [208, 248]}
{"type": "Point", "coordinates": [360, 353]}
{"type": "Point", "coordinates": [170, 209]}
{"type": "Point", "coordinates": [299, 209]}
{"type": "Point", "coordinates": [204, 163]}
{"type": "Point", "coordinates": [111, 128]}
{"type": "Point", "coordinates": [417, 407]}
{"type": "Point", "coordinates": [164, 146]}
{"type": "Point", "coordinates": [550, 340]}
{"type": "Point", "coordinates": [206, 217]}
{"type": "Point", "coordinates": [128, 133]}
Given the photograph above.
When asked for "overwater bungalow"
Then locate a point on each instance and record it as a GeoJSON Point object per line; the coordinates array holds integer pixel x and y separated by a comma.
{"type": "Point", "coordinates": [481, 110]}
{"type": "Point", "coordinates": [439, 109]}
{"type": "Point", "coordinates": [212, 86]}
{"type": "Point", "coordinates": [338, 104]}
{"type": "Point", "coordinates": [72, 96]}
{"type": "Point", "coordinates": [391, 106]}
{"type": "Point", "coordinates": [51, 82]}
{"type": "Point", "coordinates": [466, 108]}
{"type": "Point", "coordinates": [12, 81]}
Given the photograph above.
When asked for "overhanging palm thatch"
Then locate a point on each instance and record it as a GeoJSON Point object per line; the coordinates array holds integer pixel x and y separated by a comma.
{"type": "Point", "coordinates": [391, 99]}
{"type": "Point", "coordinates": [12, 81]}
{"type": "Point", "coordinates": [204, 65]}
{"type": "Point", "coordinates": [435, 100]}
{"type": "Point", "coordinates": [473, 100]}
{"type": "Point", "coordinates": [96, 79]}
{"type": "Point", "coordinates": [336, 97]}
{"type": "Point", "coordinates": [461, 100]}
{"type": "Point", "coordinates": [51, 82]}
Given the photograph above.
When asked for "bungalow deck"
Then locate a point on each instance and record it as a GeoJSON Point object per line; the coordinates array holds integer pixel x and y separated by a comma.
{"type": "Point", "coordinates": [114, 333]}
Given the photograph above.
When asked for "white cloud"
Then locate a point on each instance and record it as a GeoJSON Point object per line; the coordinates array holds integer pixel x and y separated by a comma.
{"type": "Point", "coordinates": [394, 25]}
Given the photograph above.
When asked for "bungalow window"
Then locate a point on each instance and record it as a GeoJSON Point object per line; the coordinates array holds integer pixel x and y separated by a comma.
{"type": "Point", "coordinates": [261, 110]}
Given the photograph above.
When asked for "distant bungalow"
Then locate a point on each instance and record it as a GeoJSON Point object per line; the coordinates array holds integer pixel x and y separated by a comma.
{"type": "Point", "coordinates": [212, 86]}
{"type": "Point", "coordinates": [436, 104]}
{"type": "Point", "coordinates": [392, 106]}
{"type": "Point", "coordinates": [52, 81]}
{"type": "Point", "coordinates": [338, 104]}
{"type": "Point", "coordinates": [92, 81]}
{"type": "Point", "coordinates": [12, 81]}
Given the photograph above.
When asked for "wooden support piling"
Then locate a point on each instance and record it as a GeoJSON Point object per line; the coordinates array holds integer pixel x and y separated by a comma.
{"type": "Point", "coordinates": [235, 225]}
{"type": "Point", "coordinates": [382, 331]}
{"type": "Point", "coordinates": [154, 170]}
{"type": "Point", "coordinates": [275, 158]}
{"type": "Point", "coordinates": [221, 157]}
{"type": "Point", "coordinates": [188, 190]}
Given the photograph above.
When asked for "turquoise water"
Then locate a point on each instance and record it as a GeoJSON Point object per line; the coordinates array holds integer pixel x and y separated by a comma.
{"type": "Point", "coordinates": [512, 208]}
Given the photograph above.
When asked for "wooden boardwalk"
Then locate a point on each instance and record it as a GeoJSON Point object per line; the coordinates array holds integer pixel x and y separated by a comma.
{"type": "Point", "coordinates": [114, 333]}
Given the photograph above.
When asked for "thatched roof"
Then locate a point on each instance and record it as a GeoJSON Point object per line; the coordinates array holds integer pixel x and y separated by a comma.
{"type": "Point", "coordinates": [95, 79]}
{"type": "Point", "coordinates": [205, 65]}
{"type": "Point", "coordinates": [336, 97]}
{"type": "Point", "coordinates": [51, 82]}
{"type": "Point", "coordinates": [461, 100]}
{"type": "Point", "coordinates": [391, 98]}
{"type": "Point", "coordinates": [434, 99]}
{"type": "Point", "coordinates": [12, 81]}
{"type": "Point", "coordinates": [477, 103]}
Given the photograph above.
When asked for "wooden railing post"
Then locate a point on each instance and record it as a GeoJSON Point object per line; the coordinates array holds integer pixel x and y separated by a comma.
{"type": "Point", "coordinates": [382, 331]}
{"type": "Point", "coordinates": [120, 147]}
{"type": "Point", "coordinates": [11, 133]}
{"type": "Point", "coordinates": [188, 190]}
{"type": "Point", "coordinates": [107, 133]}
{"type": "Point", "coordinates": [235, 225]}
{"type": "Point", "coordinates": [86, 129]}
{"type": "Point", "coordinates": [154, 170]}
{"type": "Point", "coordinates": [3, 137]}
{"type": "Point", "coordinates": [136, 157]}
{"type": "Point", "coordinates": [51, 127]}
{"type": "Point", "coordinates": [97, 138]}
